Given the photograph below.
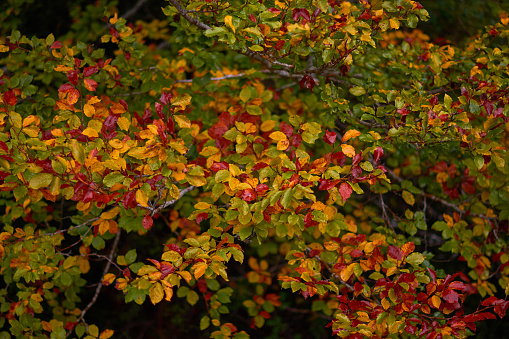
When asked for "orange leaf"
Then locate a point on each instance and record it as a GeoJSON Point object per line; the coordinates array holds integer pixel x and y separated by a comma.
{"type": "Point", "coordinates": [199, 269]}
{"type": "Point", "coordinates": [106, 334]}
{"type": "Point", "coordinates": [348, 150]}
{"type": "Point", "coordinates": [435, 301]}
{"type": "Point", "coordinates": [353, 133]}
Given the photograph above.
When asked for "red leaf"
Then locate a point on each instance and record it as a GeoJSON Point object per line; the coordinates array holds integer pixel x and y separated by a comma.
{"type": "Point", "coordinates": [66, 88]}
{"type": "Point", "coordinates": [56, 44]}
{"type": "Point", "coordinates": [394, 252]}
{"type": "Point", "coordinates": [217, 130]}
{"type": "Point", "coordinates": [450, 296]}
{"type": "Point", "coordinates": [464, 92]}
{"type": "Point", "coordinates": [165, 98]}
{"type": "Point", "coordinates": [287, 129]}
{"type": "Point", "coordinates": [252, 18]}
{"type": "Point", "coordinates": [345, 190]}
{"type": "Point", "coordinates": [308, 220]}
{"type": "Point", "coordinates": [217, 166]}
{"type": "Point", "coordinates": [274, 10]}
{"type": "Point", "coordinates": [90, 84]}
{"type": "Point", "coordinates": [147, 222]}
{"type": "Point", "coordinates": [300, 13]}
{"type": "Point", "coordinates": [357, 158]}
{"type": "Point", "coordinates": [201, 216]}
{"type": "Point", "coordinates": [10, 98]}
{"type": "Point", "coordinates": [378, 153]}
{"type": "Point", "coordinates": [166, 269]}
{"type": "Point", "coordinates": [261, 189]}
{"type": "Point", "coordinates": [88, 71]}
{"type": "Point", "coordinates": [259, 166]}
{"type": "Point", "coordinates": [434, 101]}
{"type": "Point", "coordinates": [159, 110]}
{"type": "Point", "coordinates": [308, 82]}
{"type": "Point", "coordinates": [296, 140]}
{"type": "Point", "coordinates": [421, 297]}
{"type": "Point", "coordinates": [489, 302]}
{"type": "Point", "coordinates": [72, 76]}
{"type": "Point", "coordinates": [248, 195]}
{"type": "Point", "coordinates": [329, 137]}
{"type": "Point", "coordinates": [468, 187]}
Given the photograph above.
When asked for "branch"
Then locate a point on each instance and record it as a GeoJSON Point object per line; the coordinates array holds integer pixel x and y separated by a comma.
{"type": "Point", "coordinates": [133, 10]}
{"type": "Point", "coordinates": [182, 11]}
{"type": "Point", "coordinates": [153, 210]}
{"type": "Point", "coordinates": [100, 285]}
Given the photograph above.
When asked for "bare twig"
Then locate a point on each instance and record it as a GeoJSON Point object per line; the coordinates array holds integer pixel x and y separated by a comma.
{"type": "Point", "coordinates": [100, 285]}
{"type": "Point", "coordinates": [133, 10]}
{"type": "Point", "coordinates": [154, 210]}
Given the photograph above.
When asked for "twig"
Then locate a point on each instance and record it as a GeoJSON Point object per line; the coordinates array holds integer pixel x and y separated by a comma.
{"type": "Point", "coordinates": [100, 285]}
{"type": "Point", "coordinates": [133, 10]}
{"type": "Point", "coordinates": [154, 210]}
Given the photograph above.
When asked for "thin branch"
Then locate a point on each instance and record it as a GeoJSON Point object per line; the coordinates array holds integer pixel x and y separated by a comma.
{"type": "Point", "coordinates": [100, 285]}
{"type": "Point", "coordinates": [153, 210]}
{"type": "Point", "coordinates": [182, 11]}
{"type": "Point", "coordinates": [133, 10]}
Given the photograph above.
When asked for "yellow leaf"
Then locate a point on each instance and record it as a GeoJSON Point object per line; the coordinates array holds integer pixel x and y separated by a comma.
{"type": "Point", "coordinates": [347, 272]}
{"type": "Point", "coordinates": [115, 143]}
{"type": "Point", "coordinates": [277, 136]}
{"type": "Point", "coordinates": [182, 121]}
{"type": "Point", "coordinates": [186, 275]}
{"type": "Point", "coordinates": [168, 290]}
{"type": "Point", "coordinates": [106, 334]}
{"type": "Point", "coordinates": [89, 110]}
{"type": "Point", "coordinates": [394, 23]}
{"type": "Point", "coordinates": [108, 279]}
{"type": "Point", "coordinates": [90, 132]}
{"type": "Point", "coordinates": [111, 213]}
{"type": "Point", "coordinates": [199, 269]}
{"type": "Point", "coordinates": [228, 21]}
{"type": "Point", "coordinates": [142, 198]}
{"type": "Point", "coordinates": [3, 49]}
{"type": "Point", "coordinates": [353, 133]}
{"type": "Point", "coordinates": [156, 293]}
{"type": "Point", "coordinates": [385, 303]}
{"type": "Point", "coordinates": [267, 125]}
{"type": "Point", "coordinates": [182, 100]}
{"type": "Point", "coordinates": [62, 68]}
{"type": "Point", "coordinates": [202, 205]}
{"type": "Point", "coordinates": [348, 150]}
{"type": "Point", "coordinates": [209, 150]}
{"type": "Point", "coordinates": [123, 123]}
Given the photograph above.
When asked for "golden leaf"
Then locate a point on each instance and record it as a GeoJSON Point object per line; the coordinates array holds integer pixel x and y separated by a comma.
{"type": "Point", "coordinates": [106, 334]}
{"type": "Point", "coordinates": [277, 136]}
{"type": "Point", "coordinates": [90, 132]}
{"type": "Point", "coordinates": [348, 150]}
{"type": "Point", "coordinates": [182, 121]}
{"type": "Point", "coordinates": [156, 293]}
{"type": "Point", "coordinates": [123, 123]}
{"type": "Point", "coordinates": [142, 198]}
{"type": "Point", "coordinates": [199, 269]}
{"type": "Point", "coordinates": [228, 21]}
{"type": "Point", "coordinates": [89, 110]}
{"type": "Point", "coordinates": [353, 133]}
{"type": "Point", "coordinates": [111, 213]}
{"type": "Point", "coordinates": [347, 272]}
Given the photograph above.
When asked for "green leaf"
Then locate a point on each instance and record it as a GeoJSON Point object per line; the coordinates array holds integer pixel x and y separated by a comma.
{"type": "Point", "coordinates": [245, 94]}
{"type": "Point", "coordinates": [357, 91]}
{"type": "Point", "coordinates": [415, 258]}
{"type": "Point", "coordinates": [204, 322]}
{"type": "Point", "coordinates": [40, 180]}
{"type": "Point", "coordinates": [130, 256]}
{"type": "Point", "coordinates": [215, 31]}
{"type": "Point", "coordinates": [245, 232]}
{"type": "Point", "coordinates": [286, 199]}
{"type": "Point", "coordinates": [113, 178]}
{"type": "Point", "coordinates": [254, 110]}
{"type": "Point", "coordinates": [192, 298]}
{"type": "Point", "coordinates": [77, 151]}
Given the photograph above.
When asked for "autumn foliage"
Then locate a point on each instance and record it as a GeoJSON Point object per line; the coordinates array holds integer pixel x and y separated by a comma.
{"type": "Point", "coordinates": [247, 160]}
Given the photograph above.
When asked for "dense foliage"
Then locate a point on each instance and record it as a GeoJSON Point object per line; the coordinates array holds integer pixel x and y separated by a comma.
{"type": "Point", "coordinates": [264, 168]}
